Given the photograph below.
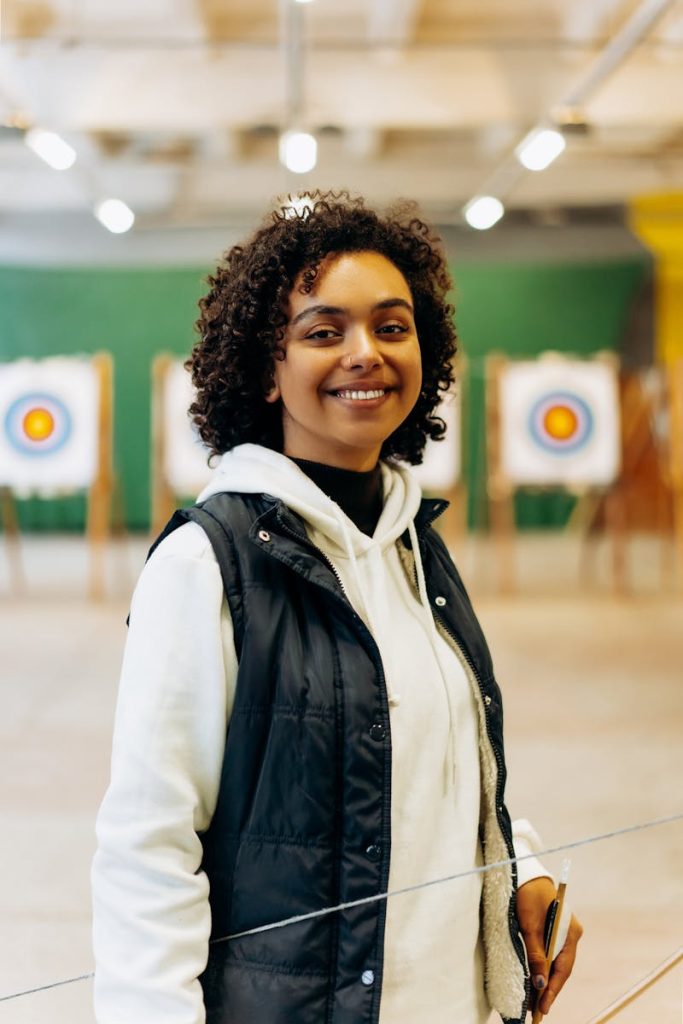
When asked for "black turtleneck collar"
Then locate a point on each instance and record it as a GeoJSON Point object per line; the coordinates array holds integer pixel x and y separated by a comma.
{"type": "Point", "coordinates": [359, 495]}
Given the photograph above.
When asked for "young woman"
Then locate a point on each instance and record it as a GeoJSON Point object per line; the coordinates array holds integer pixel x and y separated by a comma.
{"type": "Point", "coordinates": [308, 714]}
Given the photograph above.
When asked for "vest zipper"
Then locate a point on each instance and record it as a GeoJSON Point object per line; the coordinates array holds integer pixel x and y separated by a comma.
{"type": "Point", "coordinates": [343, 598]}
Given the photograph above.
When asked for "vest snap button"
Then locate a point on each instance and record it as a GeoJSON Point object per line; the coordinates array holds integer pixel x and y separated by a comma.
{"type": "Point", "coordinates": [264, 535]}
{"type": "Point", "coordinates": [374, 852]}
{"type": "Point", "coordinates": [440, 601]}
{"type": "Point", "coordinates": [377, 732]}
{"type": "Point", "coordinates": [367, 977]}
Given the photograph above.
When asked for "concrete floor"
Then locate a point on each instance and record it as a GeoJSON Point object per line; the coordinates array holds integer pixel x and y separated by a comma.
{"type": "Point", "coordinates": [594, 705]}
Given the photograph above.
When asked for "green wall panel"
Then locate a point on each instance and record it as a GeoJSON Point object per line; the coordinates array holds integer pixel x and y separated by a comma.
{"type": "Point", "coordinates": [133, 314]}
{"type": "Point", "coordinates": [136, 313]}
{"type": "Point", "coordinates": [521, 310]}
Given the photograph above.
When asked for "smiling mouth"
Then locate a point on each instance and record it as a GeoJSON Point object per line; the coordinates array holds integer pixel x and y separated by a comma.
{"type": "Point", "coordinates": [361, 396]}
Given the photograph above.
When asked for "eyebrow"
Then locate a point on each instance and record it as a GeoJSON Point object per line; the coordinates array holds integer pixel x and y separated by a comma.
{"type": "Point", "coordinates": [342, 311]}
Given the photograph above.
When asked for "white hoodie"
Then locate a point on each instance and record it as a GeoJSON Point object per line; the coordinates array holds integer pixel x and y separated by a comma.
{"type": "Point", "coordinates": [150, 899]}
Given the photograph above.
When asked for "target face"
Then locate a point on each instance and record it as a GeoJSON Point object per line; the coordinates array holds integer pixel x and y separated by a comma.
{"type": "Point", "coordinates": [38, 424]}
{"type": "Point", "coordinates": [440, 468]}
{"type": "Point", "coordinates": [49, 416]}
{"type": "Point", "coordinates": [561, 422]}
{"type": "Point", "coordinates": [185, 457]}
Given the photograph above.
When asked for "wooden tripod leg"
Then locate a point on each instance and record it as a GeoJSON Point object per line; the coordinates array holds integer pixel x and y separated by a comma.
{"type": "Point", "coordinates": [502, 517]}
{"type": "Point", "coordinates": [10, 523]}
{"type": "Point", "coordinates": [615, 515]}
{"type": "Point", "coordinates": [676, 455]}
{"type": "Point", "coordinates": [582, 524]}
{"type": "Point", "coordinates": [99, 496]}
{"type": "Point", "coordinates": [501, 512]}
{"type": "Point", "coordinates": [162, 498]}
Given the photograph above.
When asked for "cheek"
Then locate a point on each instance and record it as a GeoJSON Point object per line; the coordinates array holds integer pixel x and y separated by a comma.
{"type": "Point", "coordinates": [298, 387]}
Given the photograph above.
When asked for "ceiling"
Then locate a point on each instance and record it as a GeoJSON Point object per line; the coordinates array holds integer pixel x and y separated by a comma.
{"type": "Point", "coordinates": [175, 105]}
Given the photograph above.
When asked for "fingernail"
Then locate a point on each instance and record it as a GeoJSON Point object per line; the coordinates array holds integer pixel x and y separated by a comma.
{"type": "Point", "coordinates": [539, 981]}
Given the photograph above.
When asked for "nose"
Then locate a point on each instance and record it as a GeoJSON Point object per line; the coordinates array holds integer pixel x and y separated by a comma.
{"type": "Point", "coordinates": [362, 351]}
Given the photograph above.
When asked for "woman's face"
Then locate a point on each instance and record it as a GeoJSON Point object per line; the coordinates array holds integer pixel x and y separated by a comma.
{"type": "Point", "coordinates": [351, 371]}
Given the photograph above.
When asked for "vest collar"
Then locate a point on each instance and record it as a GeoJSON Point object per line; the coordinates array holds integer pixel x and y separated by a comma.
{"type": "Point", "coordinates": [430, 509]}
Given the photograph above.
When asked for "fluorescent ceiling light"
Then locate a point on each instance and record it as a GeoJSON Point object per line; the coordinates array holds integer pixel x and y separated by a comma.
{"type": "Point", "coordinates": [483, 212]}
{"type": "Point", "coordinates": [51, 148]}
{"type": "Point", "coordinates": [115, 215]}
{"type": "Point", "coordinates": [540, 149]}
{"type": "Point", "coordinates": [298, 151]}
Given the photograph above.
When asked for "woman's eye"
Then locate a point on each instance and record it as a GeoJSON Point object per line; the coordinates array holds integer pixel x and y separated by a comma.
{"type": "Point", "coordinates": [323, 333]}
{"type": "Point", "coordinates": [392, 329]}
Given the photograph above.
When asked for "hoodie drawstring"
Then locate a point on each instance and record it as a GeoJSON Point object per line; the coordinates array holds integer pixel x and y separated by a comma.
{"type": "Point", "coordinates": [393, 698]}
{"type": "Point", "coordinates": [450, 763]}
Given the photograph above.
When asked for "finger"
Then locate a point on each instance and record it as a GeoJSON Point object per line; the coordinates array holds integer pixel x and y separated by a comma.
{"type": "Point", "coordinates": [538, 963]}
{"type": "Point", "coordinates": [562, 967]}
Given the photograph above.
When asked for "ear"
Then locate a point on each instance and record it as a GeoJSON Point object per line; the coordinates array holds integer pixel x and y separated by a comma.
{"type": "Point", "coordinates": [273, 394]}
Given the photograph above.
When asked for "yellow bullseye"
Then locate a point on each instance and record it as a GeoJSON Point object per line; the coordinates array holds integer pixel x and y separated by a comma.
{"type": "Point", "coordinates": [38, 424]}
{"type": "Point", "coordinates": [560, 422]}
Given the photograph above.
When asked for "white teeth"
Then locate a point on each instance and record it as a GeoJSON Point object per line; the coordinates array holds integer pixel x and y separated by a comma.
{"type": "Point", "coordinates": [361, 395]}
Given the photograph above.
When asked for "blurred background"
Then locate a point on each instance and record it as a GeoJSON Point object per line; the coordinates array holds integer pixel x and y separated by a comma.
{"type": "Point", "coordinates": [545, 141]}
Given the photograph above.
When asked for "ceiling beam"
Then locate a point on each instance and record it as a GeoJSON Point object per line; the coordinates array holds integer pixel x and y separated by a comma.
{"type": "Point", "coordinates": [509, 172]}
{"type": "Point", "coordinates": [392, 21]}
{"type": "Point", "coordinates": [585, 20]}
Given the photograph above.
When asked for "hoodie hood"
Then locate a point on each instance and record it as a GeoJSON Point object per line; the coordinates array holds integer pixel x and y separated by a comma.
{"type": "Point", "coordinates": [358, 559]}
{"type": "Point", "coordinates": [253, 469]}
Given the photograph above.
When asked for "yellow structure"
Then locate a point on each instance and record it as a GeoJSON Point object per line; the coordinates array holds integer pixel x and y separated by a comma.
{"type": "Point", "coordinates": [658, 221]}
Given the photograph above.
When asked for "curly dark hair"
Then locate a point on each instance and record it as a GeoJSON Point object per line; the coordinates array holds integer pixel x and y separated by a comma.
{"type": "Point", "coordinates": [243, 316]}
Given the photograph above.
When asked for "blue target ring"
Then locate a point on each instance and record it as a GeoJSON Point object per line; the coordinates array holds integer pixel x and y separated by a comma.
{"type": "Point", "coordinates": [38, 423]}
{"type": "Point", "coordinates": [561, 423]}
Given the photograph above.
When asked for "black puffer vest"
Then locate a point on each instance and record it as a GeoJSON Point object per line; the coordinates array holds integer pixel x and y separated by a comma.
{"type": "Point", "coordinates": [303, 815]}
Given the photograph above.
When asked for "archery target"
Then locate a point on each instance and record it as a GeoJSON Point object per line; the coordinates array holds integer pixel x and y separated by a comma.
{"type": "Point", "coordinates": [184, 453]}
{"type": "Point", "coordinates": [559, 423]}
{"type": "Point", "coordinates": [38, 424]}
{"type": "Point", "coordinates": [441, 466]}
{"type": "Point", "coordinates": [48, 425]}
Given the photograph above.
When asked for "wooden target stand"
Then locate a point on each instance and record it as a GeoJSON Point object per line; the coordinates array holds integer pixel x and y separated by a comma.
{"type": "Point", "coordinates": [650, 481]}
{"type": "Point", "coordinates": [501, 490]}
{"type": "Point", "coordinates": [452, 525]}
{"type": "Point", "coordinates": [163, 499]}
{"type": "Point", "coordinates": [675, 390]}
{"type": "Point", "coordinates": [99, 495]}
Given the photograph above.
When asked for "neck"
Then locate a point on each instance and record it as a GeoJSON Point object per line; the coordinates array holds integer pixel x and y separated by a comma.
{"type": "Point", "coordinates": [357, 462]}
{"type": "Point", "coordinates": [358, 493]}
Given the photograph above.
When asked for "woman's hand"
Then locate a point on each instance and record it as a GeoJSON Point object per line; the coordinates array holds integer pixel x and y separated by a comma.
{"type": "Point", "coordinates": [533, 900]}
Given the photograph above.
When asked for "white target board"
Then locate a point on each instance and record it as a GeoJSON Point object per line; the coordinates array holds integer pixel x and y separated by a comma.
{"type": "Point", "coordinates": [440, 468]}
{"type": "Point", "coordinates": [559, 423]}
{"type": "Point", "coordinates": [48, 425]}
{"type": "Point", "coordinates": [184, 454]}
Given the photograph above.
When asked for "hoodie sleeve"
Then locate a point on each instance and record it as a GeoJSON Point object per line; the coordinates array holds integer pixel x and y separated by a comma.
{"type": "Point", "coordinates": [151, 917]}
{"type": "Point", "coordinates": [527, 843]}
